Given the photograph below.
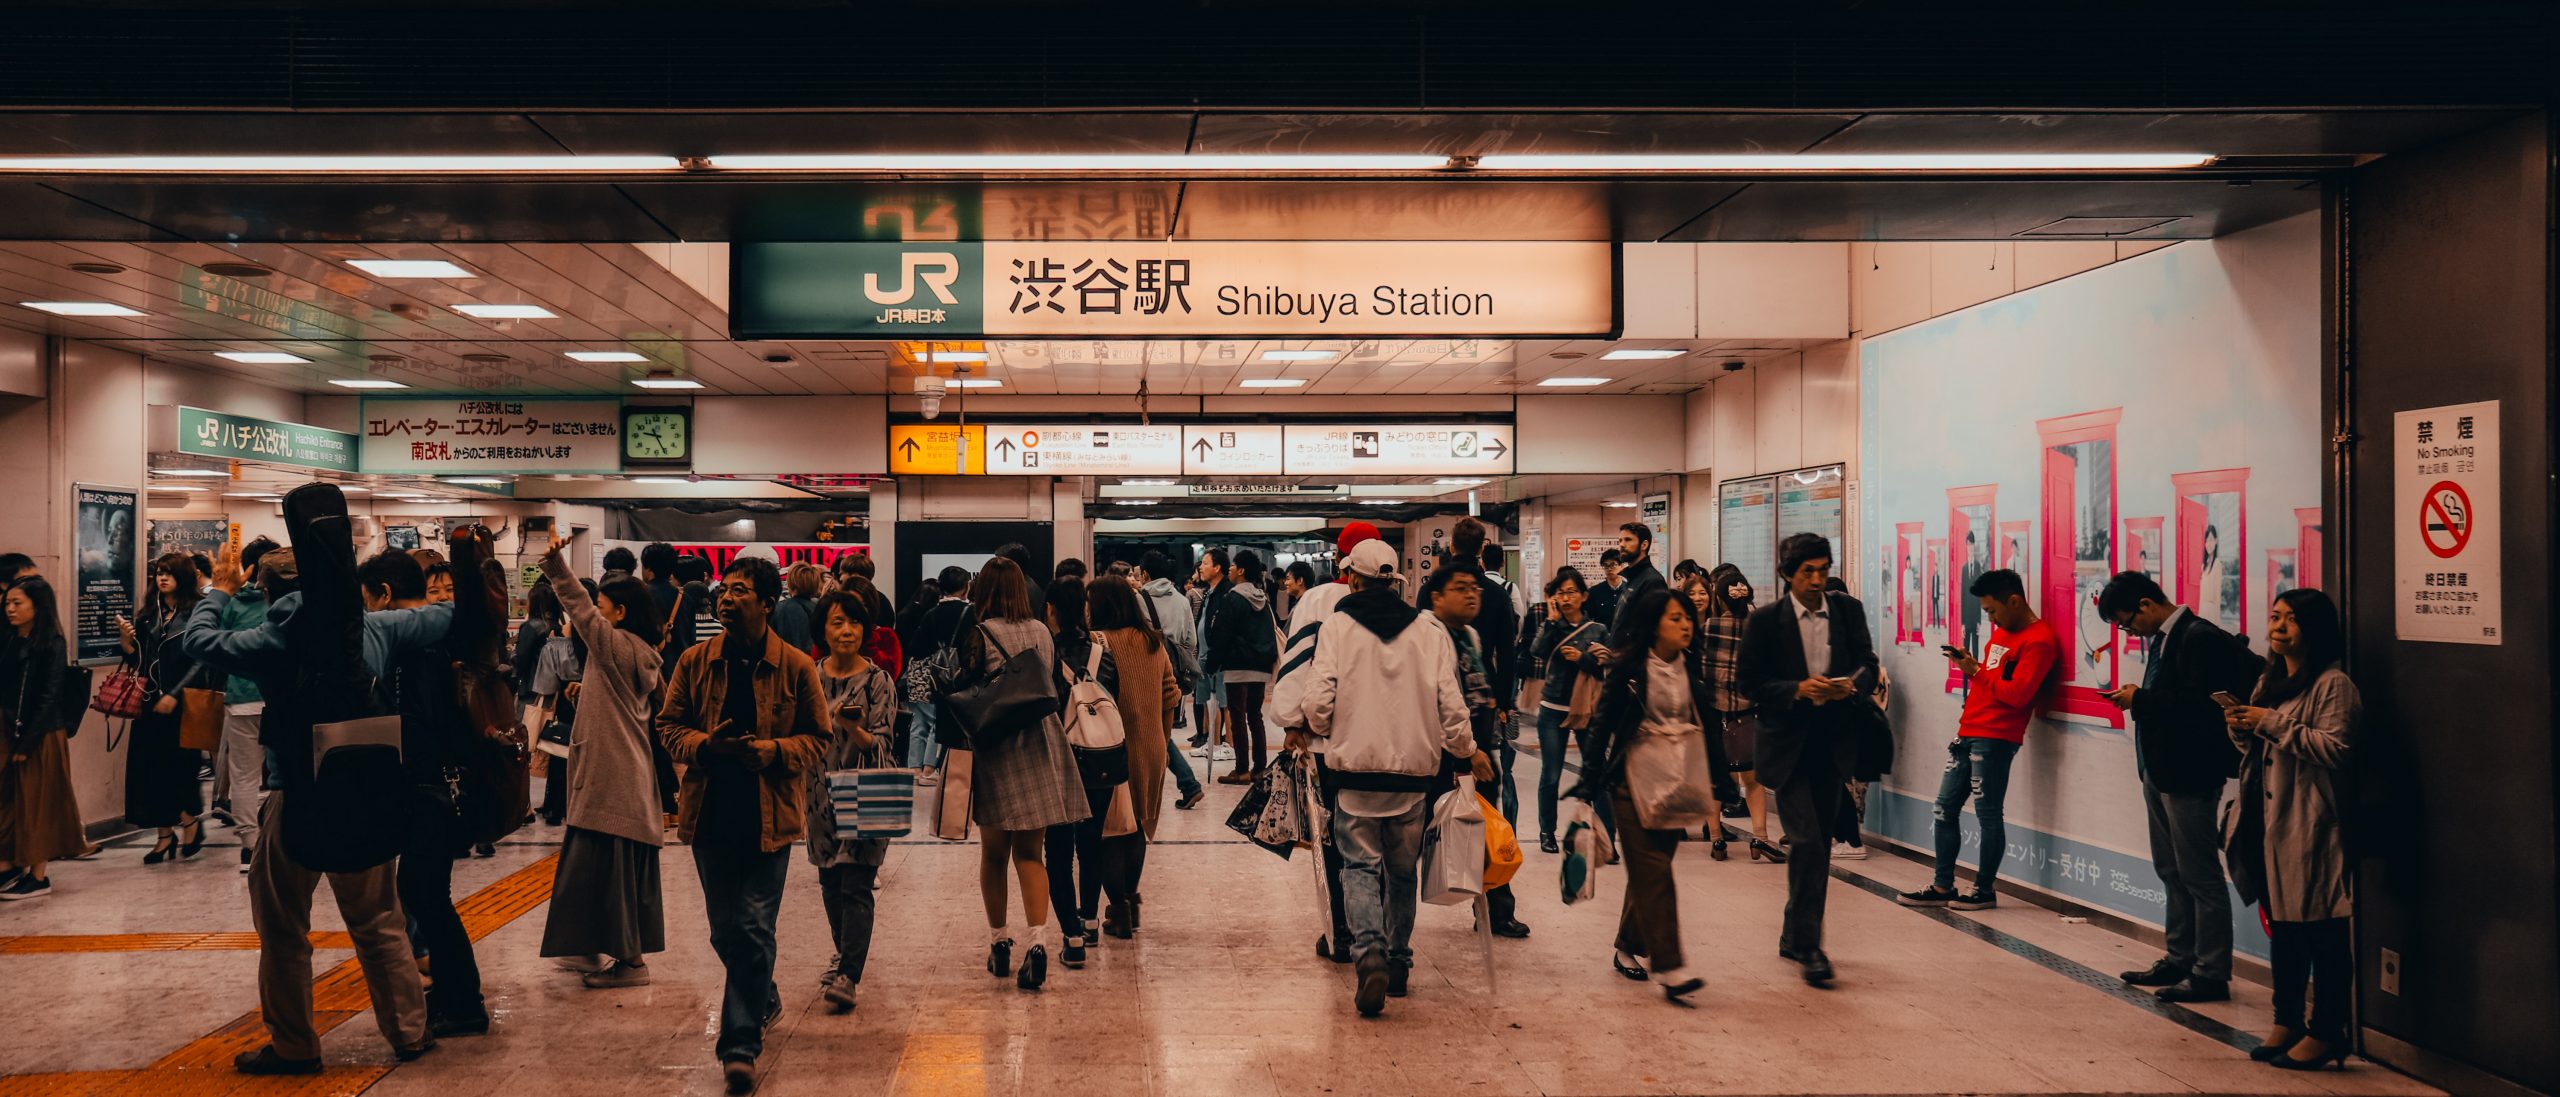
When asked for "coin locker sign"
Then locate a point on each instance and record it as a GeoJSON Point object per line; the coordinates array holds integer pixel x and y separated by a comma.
{"type": "Point", "coordinates": [2445, 513]}
{"type": "Point", "coordinates": [1140, 290]}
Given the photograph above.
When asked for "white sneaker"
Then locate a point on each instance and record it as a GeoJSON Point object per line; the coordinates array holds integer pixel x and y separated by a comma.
{"type": "Point", "coordinates": [1843, 851]}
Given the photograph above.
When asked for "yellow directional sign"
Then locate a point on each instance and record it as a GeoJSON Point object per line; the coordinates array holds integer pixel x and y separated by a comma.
{"type": "Point", "coordinates": [937, 449]}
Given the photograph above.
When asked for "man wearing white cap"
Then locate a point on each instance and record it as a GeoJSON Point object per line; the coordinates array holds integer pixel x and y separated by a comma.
{"type": "Point", "coordinates": [1383, 693]}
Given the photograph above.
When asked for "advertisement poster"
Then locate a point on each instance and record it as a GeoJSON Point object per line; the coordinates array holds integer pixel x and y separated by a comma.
{"type": "Point", "coordinates": [403, 538]}
{"type": "Point", "coordinates": [188, 535]}
{"type": "Point", "coordinates": [103, 543]}
{"type": "Point", "coordinates": [1813, 501]}
{"type": "Point", "coordinates": [1747, 528]}
{"type": "Point", "coordinates": [2444, 491]}
{"type": "Point", "coordinates": [1657, 517]}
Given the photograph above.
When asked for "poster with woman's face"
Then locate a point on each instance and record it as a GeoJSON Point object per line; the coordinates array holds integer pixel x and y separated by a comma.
{"type": "Point", "coordinates": [103, 544]}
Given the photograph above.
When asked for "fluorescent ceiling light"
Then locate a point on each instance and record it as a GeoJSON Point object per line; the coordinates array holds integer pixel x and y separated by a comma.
{"type": "Point", "coordinates": [1640, 355]}
{"type": "Point", "coordinates": [366, 383]}
{"type": "Point", "coordinates": [1300, 355]}
{"type": "Point", "coordinates": [976, 383]}
{"type": "Point", "coordinates": [1620, 506]}
{"type": "Point", "coordinates": [1070, 162]}
{"type": "Point", "coordinates": [247, 495]}
{"type": "Point", "coordinates": [1572, 382]}
{"type": "Point", "coordinates": [662, 481]}
{"type": "Point", "coordinates": [665, 383]}
{"type": "Point", "coordinates": [1271, 382]}
{"type": "Point", "coordinates": [260, 357]}
{"type": "Point", "coordinates": [1460, 481]}
{"type": "Point", "coordinates": [505, 312]}
{"type": "Point", "coordinates": [179, 487]}
{"type": "Point", "coordinates": [1852, 162]}
{"type": "Point", "coordinates": [952, 356]}
{"type": "Point", "coordinates": [80, 308]}
{"type": "Point", "coordinates": [606, 356]}
{"type": "Point", "coordinates": [483, 481]}
{"type": "Point", "coordinates": [1384, 502]}
{"type": "Point", "coordinates": [409, 268]}
{"type": "Point", "coordinates": [1148, 483]}
{"type": "Point", "coordinates": [336, 165]}
{"type": "Point", "coordinates": [190, 472]}
{"type": "Point", "coordinates": [355, 489]}
{"type": "Point", "coordinates": [1136, 502]}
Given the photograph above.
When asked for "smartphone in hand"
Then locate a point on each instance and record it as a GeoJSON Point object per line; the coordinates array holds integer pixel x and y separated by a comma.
{"type": "Point", "coordinates": [2225, 699]}
{"type": "Point", "coordinates": [1951, 651]}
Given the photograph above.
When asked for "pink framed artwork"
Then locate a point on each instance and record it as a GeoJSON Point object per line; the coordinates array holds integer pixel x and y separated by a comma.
{"type": "Point", "coordinates": [2283, 573]}
{"type": "Point", "coordinates": [2143, 545]}
{"type": "Point", "coordinates": [2015, 555]}
{"type": "Point", "coordinates": [1935, 587]}
{"type": "Point", "coordinates": [2308, 537]}
{"type": "Point", "coordinates": [2213, 546]}
{"type": "Point", "coordinates": [2078, 553]}
{"type": "Point", "coordinates": [1971, 524]}
{"type": "Point", "coordinates": [1910, 558]}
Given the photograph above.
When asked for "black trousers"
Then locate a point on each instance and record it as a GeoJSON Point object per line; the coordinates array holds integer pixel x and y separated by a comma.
{"type": "Point", "coordinates": [2320, 954]}
{"type": "Point", "coordinates": [851, 903]}
{"type": "Point", "coordinates": [426, 895]}
{"type": "Point", "coordinates": [1105, 861]}
{"type": "Point", "coordinates": [1808, 808]}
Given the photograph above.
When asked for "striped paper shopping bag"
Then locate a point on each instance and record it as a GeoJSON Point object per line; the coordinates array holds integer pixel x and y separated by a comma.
{"type": "Point", "coordinates": [872, 803]}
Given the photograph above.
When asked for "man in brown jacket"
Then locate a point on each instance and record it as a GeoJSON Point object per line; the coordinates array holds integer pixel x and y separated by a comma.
{"type": "Point", "coordinates": [744, 717]}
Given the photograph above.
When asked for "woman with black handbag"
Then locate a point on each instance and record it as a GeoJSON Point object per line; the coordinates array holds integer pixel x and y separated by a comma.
{"type": "Point", "coordinates": [160, 774]}
{"type": "Point", "coordinates": [1024, 778]}
{"type": "Point", "coordinates": [39, 815]}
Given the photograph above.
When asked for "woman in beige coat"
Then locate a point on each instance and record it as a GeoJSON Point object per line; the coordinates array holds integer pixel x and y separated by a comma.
{"type": "Point", "coordinates": [2296, 732]}
{"type": "Point", "coordinates": [1147, 698]}
{"type": "Point", "coordinates": [607, 911]}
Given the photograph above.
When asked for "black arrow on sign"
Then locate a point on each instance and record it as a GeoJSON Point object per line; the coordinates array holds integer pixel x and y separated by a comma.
{"type": "Point", "coordinates": [1496, 448]}
{"type": "Point", "coordinates": [1004, 448]}
{"type": "Point", "coordinates": [1202, 445]}
{"type": "Point", "coordinates": [907, 449]}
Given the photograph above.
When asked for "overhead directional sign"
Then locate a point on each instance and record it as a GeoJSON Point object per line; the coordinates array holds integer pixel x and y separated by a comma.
{"type": "Point", "coordinates": [937, 449]}
{"type": "Point", "coordinates": [1388, 450]}
{"type": "Point", "coordinates": [1244, 450]}
{"type": "Point", "coordinates": [1083, 449]}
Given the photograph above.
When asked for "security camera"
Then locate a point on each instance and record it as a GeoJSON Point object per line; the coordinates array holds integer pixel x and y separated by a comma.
{"type": "Point", "coordinates": [929, 396]}
{"type": "Point", "coordinates": [1733, 366]}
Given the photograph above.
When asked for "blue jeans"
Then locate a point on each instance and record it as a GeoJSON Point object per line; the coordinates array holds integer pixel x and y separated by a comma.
{"type": "Point", "coordinates": [1381, 864]}
{"type": "Point", "coordinates": [1978, 768]}
{"type": "Point", "coordinates": [1180, 767]}
{"type": "Point", "coordinates": [742, 898]}
{"type": "Point", "coordinates": [1551, 735]}
{"type": "Point", "coordinates": [924, 748]}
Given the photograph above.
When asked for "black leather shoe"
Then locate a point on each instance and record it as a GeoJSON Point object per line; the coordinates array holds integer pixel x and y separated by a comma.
{"type": "Point", "coordinates": [1547, 844]}
{"type": "Point", "coordinates": [442, 1025]}
{"type": "Point", "coordinates": [2196, 989]}
{"type": "Point", "coordinates": [2278, 1046]}
{"type": "Point", "coordinates": [1035, 968]}
{"type": "Point", "coordinates": [265, 1061]}
{"type": "Point", "coordinates": [413, 1054]}
{"type": "Point", "coordinates": [1514, 929]}
{"type": "Point", "coordinates": [1399, 976]}
{"type": "Point", "coordinates": [1817, 968]}
{"type": "Point", "coordinates": [2335, 1055]}
{"type": "Point", "coordinates": [1627, 966]}
{"type": "Point", "coordinates": [2160, 974]}
{"type": "Point", "coordinates": [1370, 995]}
{"type": "Point", "coordinates": [1000, 958]}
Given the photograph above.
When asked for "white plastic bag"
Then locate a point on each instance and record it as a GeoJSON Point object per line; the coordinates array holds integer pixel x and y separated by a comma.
{"type": "Point", "coordinates": [1668, 779]}
{"type": "Point", "coordinates": [1586, 849]}
{"type": "Point", "coordinates": [1453, 849]}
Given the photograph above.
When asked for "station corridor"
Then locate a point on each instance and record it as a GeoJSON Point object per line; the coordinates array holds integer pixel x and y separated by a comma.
{"type": "Point", "coordinates": [141, 980]}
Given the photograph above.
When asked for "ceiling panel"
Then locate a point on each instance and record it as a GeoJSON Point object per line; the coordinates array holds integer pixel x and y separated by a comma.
{"type": "Point", "coordinates": [664, 134]}
{"type": "Point", "coordinates": [1986, 210]}
{"type": "Point", "coordinates": [2259, 133]}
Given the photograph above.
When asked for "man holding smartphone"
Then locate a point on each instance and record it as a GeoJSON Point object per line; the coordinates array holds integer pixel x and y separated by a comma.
{"type": "Point", "coordinates": [2002, 691]}
{"type": "Point", "coordinates": [2184, 752]}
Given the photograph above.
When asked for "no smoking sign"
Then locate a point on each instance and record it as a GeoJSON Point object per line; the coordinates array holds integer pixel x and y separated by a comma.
{"type": "Point", "coordinates": [2447, 582]}
{"type": "Point", "coordinates": [2444, 519]}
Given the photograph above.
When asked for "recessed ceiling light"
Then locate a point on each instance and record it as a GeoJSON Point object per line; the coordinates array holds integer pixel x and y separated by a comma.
{"type": "Point", "coordinates": [260, 357]}
{"type": "Point", "coordinates": [606, 356]}
{"type": "Point", "coordinates": [80, 308]}
{"type": "Point", "coordinates": [1300, 355]}
{"type": "Point", "coordinates": [506, 312]}
{"type": "Point", "coordinates": [1627, 355]}
{"type": "Point", "coordinates": [479, 481]}
{"type": "Point", "coordinates": [179, 487]}
{"type": "Point", "coordinates": [190, 472]}
{"type": "Point", "coordinates": [86, 267]}
{"type": "Point", "coordinates": [1572, 382]}
{"type": "Point", "coordinates": [1460, 481]}
{"type": "Point", "coordinates": [409, 268]}
{"type": "Point", "coordinates": [665, 383]}
{"type": "Point", "coordinates": [236, 270]}
{"type": "Point", "coordinates": [366, 383]}
{"type": "Point", "coordinates": [485, 357]}
{"type": "Point", "coordinates": [953, 356]}
{"type": "Point", "coordinates": [1270, 383]}
{"type": "Point", "coordinates": [661, 481]}
{"type": "Point", "coordinates": [976, 383]}
{"type": "Point", "coordinates": [338, 165]}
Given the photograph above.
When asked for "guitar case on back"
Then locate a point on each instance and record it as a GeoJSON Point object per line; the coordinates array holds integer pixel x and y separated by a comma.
{"type": "Point", "coordinates": [349, 811]}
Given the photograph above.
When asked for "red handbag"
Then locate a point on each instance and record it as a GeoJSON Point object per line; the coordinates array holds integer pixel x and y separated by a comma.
{"type": "Point", "coordinates": [121, 695]}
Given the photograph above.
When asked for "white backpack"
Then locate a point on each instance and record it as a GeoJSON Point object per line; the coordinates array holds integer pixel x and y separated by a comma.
{"type": "Point", "coordinates": [1093, 718]}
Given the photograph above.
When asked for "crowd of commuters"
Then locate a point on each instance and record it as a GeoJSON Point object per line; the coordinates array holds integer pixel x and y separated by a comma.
{"type": "Point", "coordinates": [674, 703]}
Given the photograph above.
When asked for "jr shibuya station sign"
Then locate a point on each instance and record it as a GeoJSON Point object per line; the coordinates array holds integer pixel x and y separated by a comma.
{"type": "Point", "coordinates": [1139, 290]}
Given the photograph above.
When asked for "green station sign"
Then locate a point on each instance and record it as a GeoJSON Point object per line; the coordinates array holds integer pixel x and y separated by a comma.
{"type": "Point", "coordinates": [243, 438]}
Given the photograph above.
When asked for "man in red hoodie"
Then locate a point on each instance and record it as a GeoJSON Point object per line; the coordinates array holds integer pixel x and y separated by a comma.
{"type": "Point", "coordinates": [2003, 688]}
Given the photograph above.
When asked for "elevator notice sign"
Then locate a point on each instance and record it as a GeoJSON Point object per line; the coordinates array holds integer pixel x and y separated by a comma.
{"type": "Point", "coordinates": [937, 449]}
{"type": "Point", "coordinates": [1154, 289]}
{"type": "Point", "coordinates": [2445, 559]}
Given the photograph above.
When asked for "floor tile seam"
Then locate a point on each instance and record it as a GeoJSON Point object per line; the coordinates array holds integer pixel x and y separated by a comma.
{"type": "Point", "coordinates": [35, 944]}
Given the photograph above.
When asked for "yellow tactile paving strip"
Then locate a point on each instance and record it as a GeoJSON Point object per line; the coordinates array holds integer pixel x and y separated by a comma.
{"type": "Point", "coordinates": [202, 1068]}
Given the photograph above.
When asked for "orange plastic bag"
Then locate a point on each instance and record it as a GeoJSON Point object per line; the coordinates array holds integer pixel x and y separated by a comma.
{"type": "Point", "coordinates": [1502, 846]}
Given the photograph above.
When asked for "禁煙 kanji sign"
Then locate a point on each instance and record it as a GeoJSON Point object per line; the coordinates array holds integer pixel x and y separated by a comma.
{"type": "Point", "coordinates": [439, 435]}
{"type": "Point", "coordinates": [2447, 582]}
{"type": "Point", "coordinates": [1141, 289]}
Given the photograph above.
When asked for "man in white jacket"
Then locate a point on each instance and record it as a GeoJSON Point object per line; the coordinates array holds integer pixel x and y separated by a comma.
{"type": "Point", "coordinates": [1286, 710]}
{"type": "Point", "coordinates": [1383, 692]}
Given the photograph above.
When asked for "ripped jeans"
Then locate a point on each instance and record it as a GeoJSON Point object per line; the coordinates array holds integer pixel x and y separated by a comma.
{"type": "Point", "coordinates": [1976, 768]}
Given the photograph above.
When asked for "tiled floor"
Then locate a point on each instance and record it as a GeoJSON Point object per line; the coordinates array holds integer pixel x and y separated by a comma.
{"type": "Point", "coordinates": [1220, 994]}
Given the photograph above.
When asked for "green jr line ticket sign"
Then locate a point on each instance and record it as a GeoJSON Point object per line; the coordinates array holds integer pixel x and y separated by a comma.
{"type": "Point", "coordinates": [242, 438]}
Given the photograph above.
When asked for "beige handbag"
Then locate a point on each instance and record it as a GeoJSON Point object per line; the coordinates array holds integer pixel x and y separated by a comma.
{"type": "Point", "coordinates": [1122, 816]}
{"type": "Point", "coordinates": [951, 801]}
{"type": "Point", "coordinates": [200, 719]}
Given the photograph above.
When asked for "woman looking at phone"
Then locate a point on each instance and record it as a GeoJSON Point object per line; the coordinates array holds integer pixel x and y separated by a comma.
{"type": "Point", "coordinates": [863, 700]}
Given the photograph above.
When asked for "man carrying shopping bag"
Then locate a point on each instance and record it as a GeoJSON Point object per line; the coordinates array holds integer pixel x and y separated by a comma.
{"type": "Point", "coordinates": [1384, 693]}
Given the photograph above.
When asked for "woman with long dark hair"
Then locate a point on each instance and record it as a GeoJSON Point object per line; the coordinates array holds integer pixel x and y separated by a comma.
{"type": "Point", "coordinates": [1144, 690]}
{"type": "Point", "coordinates": [1079, 873]}
{"type": "Point", "coordinates": [39, 816]}
{"type": "Point", "coordinates": [1564, 645]}
{"type": "Point", "coordinates": [1724, 604]}
{"type": "Point", "coordinates": [160, 786]}
{"type": "Point", "coordinates": [1019, 786]}
{"type": "Point", "coordinates": [606, 909]}
{"type": "Point", "coordinates": [1244, 648]}
{"type": "Point", "coordinates": [1653, 708]}
{"type": "Point", "coordinates": [2297, 732]}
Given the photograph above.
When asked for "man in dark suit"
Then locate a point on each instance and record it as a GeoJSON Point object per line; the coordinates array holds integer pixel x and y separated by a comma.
{"type": "Point", "coordinates": [2184, 754]}
{"type": "Point", "coordinates": [1808, 663]}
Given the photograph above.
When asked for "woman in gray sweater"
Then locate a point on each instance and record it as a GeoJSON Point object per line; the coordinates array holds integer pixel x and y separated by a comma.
{"type": "Point", "coordinates": [605, 903]}
{"type": "Point", "coordinates": [2296, 732]}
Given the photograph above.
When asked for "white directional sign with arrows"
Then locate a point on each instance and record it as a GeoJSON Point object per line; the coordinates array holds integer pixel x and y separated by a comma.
{"type": "Point", "coordinates": [1392, 450]}
{"type": "Point", "coordinates": [1083, 449]}
{"type": "Point", "coordinates": [1238, 450]}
